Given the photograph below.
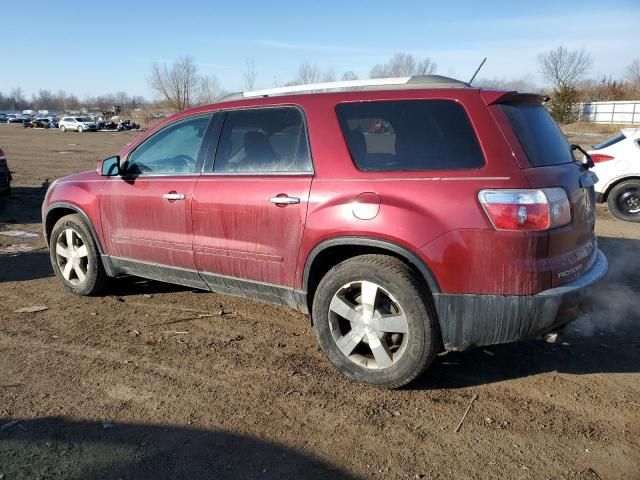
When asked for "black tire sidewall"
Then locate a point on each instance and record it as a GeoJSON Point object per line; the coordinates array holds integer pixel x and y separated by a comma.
{"type": "Point", "coordinates": [422, 345]}
{"type": "Point", "coordinates": [91, 283]}
{"type": "Point", "coordinates": [612, 201]}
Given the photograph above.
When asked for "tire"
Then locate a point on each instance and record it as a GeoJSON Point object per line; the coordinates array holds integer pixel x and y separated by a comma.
{"type": "Point", "coordinates": [63, 128]}
{"type": "Point", "coordinates": [83, 262]}
{"type": "Point", "coordinates": [80, 129]}
{"type": "Point", "coordinates": [404, 349]}
{"type": "Point", "coordinates": [624, 201]}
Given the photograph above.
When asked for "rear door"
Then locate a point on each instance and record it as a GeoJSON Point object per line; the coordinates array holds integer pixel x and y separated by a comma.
{"type": "Point", "coordinates": [249, 206]}
{"type": "Point", "coordinates": [549, 162]}
{"type": "Point", "coordinates": [146, 212]}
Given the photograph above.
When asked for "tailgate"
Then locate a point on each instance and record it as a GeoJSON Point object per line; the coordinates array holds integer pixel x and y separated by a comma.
{"type": "Point", "coordinates": [572, 248]}
{"type": "Point", "coordinates": [546, 160]}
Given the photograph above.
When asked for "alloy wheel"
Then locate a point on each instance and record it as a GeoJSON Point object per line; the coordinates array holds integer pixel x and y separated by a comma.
{"type": "Point", "coordinates": [368, 325]}
{"type": "Point", "coordinates": [72, 256]}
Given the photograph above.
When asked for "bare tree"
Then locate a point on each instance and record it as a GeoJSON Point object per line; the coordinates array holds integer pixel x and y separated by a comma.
{"type": "Point", "coordinates": [177, 85]}
{"type": "Point", "coordinates": [564, 68]}
{"type": "Point", "coordinates": [521, 85]}
{"type": "Point", "coordinates": [403, 65]}
{"type": "Point", "coordinates": [349, 75]}
{"type": "Point", "coordinates": [210, 90]}
{"type": "Point", "coordinates": [17, 99]}
{"type": "Point", "coordinates": [307, 74]}
{"type": "Point", "coordinates": [250, 74]}
{"type": "Point", "coordinates": [633, 74]}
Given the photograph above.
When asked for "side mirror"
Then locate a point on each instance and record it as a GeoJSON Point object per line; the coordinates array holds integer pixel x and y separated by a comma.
{"type": "Point", "coordinates": [588, 161]}
{"type": "Point", "coordinates": [110, 167]}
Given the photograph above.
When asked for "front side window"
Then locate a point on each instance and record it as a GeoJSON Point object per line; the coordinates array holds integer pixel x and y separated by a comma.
{"type": "Point", "coordinates": [265, 140]}
{"type": "Point", "coordinates": [172, 150]}
{"type": "Point", "coordinates": [409, 135]}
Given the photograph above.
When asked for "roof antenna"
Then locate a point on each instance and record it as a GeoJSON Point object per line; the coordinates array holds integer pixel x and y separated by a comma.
{"type": "Point", "coordinates": [477, 70]}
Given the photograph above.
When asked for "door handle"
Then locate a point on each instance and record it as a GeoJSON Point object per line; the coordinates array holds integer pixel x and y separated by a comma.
{"type": "Point", "coordinates": [172, 196]}
{"type": "Point", "coordinates": [286, 200]}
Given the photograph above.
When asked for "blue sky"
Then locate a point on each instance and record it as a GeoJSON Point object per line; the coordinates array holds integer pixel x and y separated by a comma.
{"type": "Point", "coordinates": [90, 48]}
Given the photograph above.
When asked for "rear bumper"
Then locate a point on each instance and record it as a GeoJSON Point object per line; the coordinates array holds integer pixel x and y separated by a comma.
{"type": "Point", "coordinates": [474, 320]}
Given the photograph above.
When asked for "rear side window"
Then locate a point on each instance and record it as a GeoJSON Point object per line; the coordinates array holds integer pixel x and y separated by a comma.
{"type": "Point", "coordinates": [409, 135]}
{"type": "Point", "coordinates": [263, 140]}
{"type": "Point", "coordinates": [610, 141]}
{"type": "Point", "coordinates": [542, 140]}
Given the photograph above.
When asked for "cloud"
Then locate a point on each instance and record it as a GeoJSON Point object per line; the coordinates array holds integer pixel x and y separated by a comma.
{"type": "Point", "coordinates": [320, 48]}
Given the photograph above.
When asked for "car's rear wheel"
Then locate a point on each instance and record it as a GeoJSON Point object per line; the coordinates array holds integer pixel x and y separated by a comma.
{"type": "Point", "coordinates": [374, 321]}
{"type": "Point", "coordinates": [75, 257]}
{"type": "Point", "coordinates": [624, 201]}
{"type": "Point", "coordinates": [63, 128]}
{"type": "Point", "coordinates": [80, 129]}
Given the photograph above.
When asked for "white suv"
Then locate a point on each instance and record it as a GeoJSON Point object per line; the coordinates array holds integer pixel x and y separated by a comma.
{"type": "Point", "coordinates": [79, 124]}
{"type": "Point", "coordinates": [617, 164]}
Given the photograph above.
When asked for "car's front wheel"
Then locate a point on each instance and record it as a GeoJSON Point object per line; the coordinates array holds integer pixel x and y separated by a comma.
{"type": "Point", "coordinates": [80, 129]}
{"type": "Point", "coordinates": [75, 257]}
{"type": "Point", "coordinates": [375, 322]}
{"type": "Point", "coordinates": [624, 201]}
{"type": "Point", "coordinates": [63, 128]}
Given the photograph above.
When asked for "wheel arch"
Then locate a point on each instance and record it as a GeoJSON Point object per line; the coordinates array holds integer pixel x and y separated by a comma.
{"type": "Point", "coordinates": [615, 183]}
{"type": "Point", "coordinates": [329, 253]}
{"type": "Point", "coordinates": [58, 210]}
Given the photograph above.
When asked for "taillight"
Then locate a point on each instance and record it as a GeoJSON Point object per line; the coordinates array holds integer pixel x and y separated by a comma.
{"type": "Point", "coordinates": [526, 210]}
{"type": "Point", "coordinates": [601, 157]}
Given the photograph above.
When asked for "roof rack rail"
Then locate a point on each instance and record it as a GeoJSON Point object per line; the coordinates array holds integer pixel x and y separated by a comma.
{"type": "Point", "coordinates": [415, 81]}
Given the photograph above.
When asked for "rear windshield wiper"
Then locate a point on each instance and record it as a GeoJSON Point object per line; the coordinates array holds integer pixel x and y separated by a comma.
{"type": "Point", "coordinates": [588, 161]}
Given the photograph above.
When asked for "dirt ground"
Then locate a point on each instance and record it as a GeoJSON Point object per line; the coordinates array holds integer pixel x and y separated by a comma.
{"type": "Point", "coordinates": [158, 381]}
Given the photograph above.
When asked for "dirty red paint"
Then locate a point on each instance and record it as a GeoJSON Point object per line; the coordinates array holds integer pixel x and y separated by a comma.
{"type": "Point", "coordinates": [226, 225]}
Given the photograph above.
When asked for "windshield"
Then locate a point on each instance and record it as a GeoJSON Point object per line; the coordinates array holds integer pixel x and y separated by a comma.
{"type": "Point", "coordinates": [610, 141]}
{"type": "Point", "coordinates": [83, 119]}
{"type": "Point", "coordinates": [542, 140]}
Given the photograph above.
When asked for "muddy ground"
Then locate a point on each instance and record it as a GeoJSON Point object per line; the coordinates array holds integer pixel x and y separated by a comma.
{"type": "Point", "coordinates": [157, 381]}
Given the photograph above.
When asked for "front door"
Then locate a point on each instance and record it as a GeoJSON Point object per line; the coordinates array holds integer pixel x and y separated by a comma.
{"type": "Point", "coordinates": [249, 208]}
{"type": "Point", "coordinates": [146, 212]}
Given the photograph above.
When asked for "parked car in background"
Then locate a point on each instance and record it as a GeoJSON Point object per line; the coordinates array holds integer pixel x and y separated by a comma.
{"type": "Point", "coordinates": [39, 122]}
{"type": "Point", "coordinates": [5, 175]}
{"type": "Point", "coordinates": [617, 164]}
{"type": "Point", "coordinates": [15, 118]}
{"type": "Point", "coordinates": [78, 124]}
{"type": "Point", "coordinates": [3, 118]}
{"type": "Point", "coordinates": [465, 221]}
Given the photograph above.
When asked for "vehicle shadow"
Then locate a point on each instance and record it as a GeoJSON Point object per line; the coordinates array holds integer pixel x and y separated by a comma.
{"type": "Point", "coordinates": [62, 448]}
{"type": "Point", "coordinates": [23, 267]}
{"type": "Point", "coordinates": [23, 205]}
{"type": "Point", "coordinates": [607, 339]}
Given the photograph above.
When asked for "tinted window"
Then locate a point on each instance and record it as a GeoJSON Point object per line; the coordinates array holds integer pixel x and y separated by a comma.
{"type": "Point", "coordinates": [542, 140]}
{"type": "Point", "coordinates": [409, 135]}
{"type": "Point", "coordinates": [173, 150]}
{"type": "Point", "coordinates": [610, 141]}
{"type": "Point", "coordinates": [268, 140]}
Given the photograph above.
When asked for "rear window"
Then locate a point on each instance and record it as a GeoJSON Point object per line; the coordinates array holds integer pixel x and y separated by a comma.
{"type": "Point", "coordinates": [409, 135]}
{"type": "Point", "coordinates": [542, 140]}
{"type": "Point", "coordinates": [610, 141]}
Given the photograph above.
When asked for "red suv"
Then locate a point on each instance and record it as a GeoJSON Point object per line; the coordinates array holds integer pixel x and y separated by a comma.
{"type": "Point", "coordinates": [465, 221]}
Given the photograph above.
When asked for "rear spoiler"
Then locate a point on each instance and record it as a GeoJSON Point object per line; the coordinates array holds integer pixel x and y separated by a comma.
{"type": "Point", "coordinates": [493, 97]}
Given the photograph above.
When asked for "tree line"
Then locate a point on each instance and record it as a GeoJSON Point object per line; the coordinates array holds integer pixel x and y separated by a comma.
{"type": "Point", "coordinates": [179, 85]}
{"type": "Point", "coordinates": [61, 101]}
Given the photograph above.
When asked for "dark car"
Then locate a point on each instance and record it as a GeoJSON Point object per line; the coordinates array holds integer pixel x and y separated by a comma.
{"type": "Point", "coordinates": [5, 175]}
{"type": "Point", "coordinates": [15, 118]}
{"type": "Point", "coordinates": [465, 221]}
{"type": "Point", "coordinates": [3, 118]}
{"type": "Point", "coordinates": [40, 122]}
